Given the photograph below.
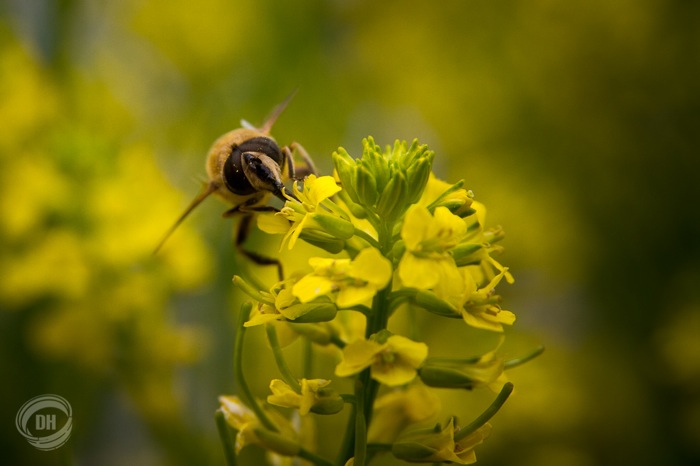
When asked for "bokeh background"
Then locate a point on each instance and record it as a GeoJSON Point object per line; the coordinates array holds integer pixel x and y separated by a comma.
{"type": "Point", "coordinates": [576, 123]}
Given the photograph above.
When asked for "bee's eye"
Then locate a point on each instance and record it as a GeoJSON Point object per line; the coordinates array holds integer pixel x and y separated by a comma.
{"type": "Point", "coordinates": [233, 175]}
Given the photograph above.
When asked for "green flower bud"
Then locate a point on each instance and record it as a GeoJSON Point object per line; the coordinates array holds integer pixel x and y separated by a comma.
{"type": "Point", "coordinates": [345, 167]}
{"type": "Point", "coordinates": [276, 442]}
{"type": "Point", "coordinates": [323, 241]}
{"type": "Point", "coordinates": [247, 288]}
{"type": "Point", "coordinates": [365, 186]}
{"type": "Point", "coordinates": [408, 156]}
{"type": "Point", "coordinates": [376, 162]}
{"type": "Point", "coordinates": [336, 226]}
{"type": "Point", "coordinates": [458, 208]}
{"type": "Point", "coordinates": [356, 209]}
{"type": "Point", "coordinates": [318, 312]}
{"type": "Point", "coordinates": [431, 303]}
{"type": "Point", "coordinates": [329, 402]}
{"type": "Point", "coordinates": [434, 375]}
{"type": "Point", "coordinates": [413, 452]}
{"type": "Point", "coordinates": [465, 254]}
{"type": "Point", "coordinates": [318, 333]}
{"type": "Point", "coordinates": [417, 175]}
{"type": "Point", "coordinates": [392, 202]}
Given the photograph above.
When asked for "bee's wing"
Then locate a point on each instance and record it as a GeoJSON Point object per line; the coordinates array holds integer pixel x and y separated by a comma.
{"type": "Point", "coordinates": [276, 112]}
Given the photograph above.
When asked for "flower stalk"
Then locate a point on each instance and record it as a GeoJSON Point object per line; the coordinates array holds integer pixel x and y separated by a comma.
{"type": "Point", "coordinates": [393, 240]}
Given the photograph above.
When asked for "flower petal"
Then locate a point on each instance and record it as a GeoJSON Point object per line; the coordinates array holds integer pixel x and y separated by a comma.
{"type": "Point", "coordinates": [312, 286]}
{"type": "Point", "coordinates": [415, 226]}
{"type": "Point", "coordinates": [357, 356]}
{"type": "Point", "coordinates": [349, 295]}
{"type": "Point", "coordinates": [371, 266]}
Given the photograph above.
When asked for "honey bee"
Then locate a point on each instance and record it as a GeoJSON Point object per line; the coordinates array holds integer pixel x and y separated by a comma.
{"type": "Point", "coordinates": [245, 167]}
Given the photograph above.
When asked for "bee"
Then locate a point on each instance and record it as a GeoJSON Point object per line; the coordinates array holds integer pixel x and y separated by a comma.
{"type": "Point", "coordinates": [246, 167]}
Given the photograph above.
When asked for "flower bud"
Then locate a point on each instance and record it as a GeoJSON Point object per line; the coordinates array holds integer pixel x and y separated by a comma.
{"type": "Point", "coordinates": [365, 186]}
{"type": "Point", "coordinates": [413, 452]}
{"type": "Point", "coordinates": [356, 209]}
{"type": "Point", "coordinates": [431, 303]}
{"type": "Point", "coordinates": [465, 254]}
{"type": "Point", "coordinates": [328, 402]}
{"type": "Point", "coordinates": [277, 443]}
{"type": "Point", "coordinates": [434, 375]}
{"type": "Point", "coordinates": [317, 312]}
{"type": "Point", "coordinates": [392, 202]}
{"type": "Point", "coordinates": [345, 168]}
{"type": "Point", "coordinates": [376, 162]}
{"type": "Point", "coordinates": [323, 241]}
{"type": "Point", "coordinates": [336, 226]}
{"type": "Point", "coordinates": [409, 155]}
{"type": "Point", "coordinates": [417, 175]}
{"type": "Point", "coordinates": [317, 333]}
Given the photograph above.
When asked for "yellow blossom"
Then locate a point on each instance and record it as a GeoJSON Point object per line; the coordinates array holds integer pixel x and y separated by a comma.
{"type": "Point", "coordinates": [427, 263]}
{"type": "Point", "coordinates": [440, 446]}
{"type": "Point", "coordinates": [347, 282]}
{"type": "Point", "coordinates": [245, 422]}
{"type": "Point", "coordinates": [487, 370]}
{"type": "Point", "coordinates": [396, 410]}
{"type": "Point", "coordinates": [300, 211]}
{"type": "Point", "coordinates": [458, 200]}
{"type": "Point", "coordinates": [311, 394]}
{"type": "Point", "coordinates": [241, 418]}
{"type": "Point", "coordinates": [481, 309]}
{"type": "Point", "coordinates": [392, 363]}
{"type": "Point", "coordinates": [280, 304]}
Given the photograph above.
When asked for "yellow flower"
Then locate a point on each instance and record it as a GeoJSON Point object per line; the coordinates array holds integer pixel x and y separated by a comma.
{"type": "Point", "coordinates": [347, 282]}
{"type": "Point", "coordinates": [478, 235]}
{"type": "Point", "coordinates": [430, 446]}
{"type": "Point", "coordinates": [427, 263]}
{"type": "Point", "coordinates": [241, 418]}
{"type": "Point", "coordinates": [245, 422]}
{"type": "Point", "coordinates": [300, 211]}
{"type": "Point", "coordinates": [280, 304]}
{"type": "Point", "coordinates": [487, 370]}
{"type": "Point", "coordinates": [396, 410]}
{"type": "Point", "coordinates": [392, 363]}
{"type": "Point", "coordinates": [481, 309]}
{"type": "Point", "coordinates": [312, 394]}
{"type": "Point", "coordinates": [458, 200]}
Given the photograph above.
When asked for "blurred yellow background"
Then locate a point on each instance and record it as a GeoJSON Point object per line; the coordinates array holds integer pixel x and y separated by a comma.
{"type": "Point", "coordinates": [576, 123]}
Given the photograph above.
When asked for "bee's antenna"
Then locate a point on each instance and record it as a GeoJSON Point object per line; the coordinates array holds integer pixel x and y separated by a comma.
{"type": "Point", "coordinates": [276, 112]}
{"type": "Point", "coordinates": [210, 188]}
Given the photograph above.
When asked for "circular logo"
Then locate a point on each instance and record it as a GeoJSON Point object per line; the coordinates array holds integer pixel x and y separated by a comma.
{"type": "Point", "coordinates": [39, 421]}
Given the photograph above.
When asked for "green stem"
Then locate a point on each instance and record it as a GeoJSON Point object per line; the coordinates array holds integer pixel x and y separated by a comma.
{"type": "Point", "coordinates": [226, 438]}
{"type": "Point", "coordinates": [307, 359]}
{"type": "Point", "coordinates": [246, 394]}
{"type": "Point", "coordinates": [346, 447]}
{"type": "Point", "coordinates": [337, 341]}
{"type": "Point", "coordinates": [247, 288]}
{"type": "Point", "coordinates": [313, 458]}
{"type": "Point", "coordinates": [279, 358]}
{"type": "Point", "coordinates": [365, 236]}
{"type": "Point", "coordinates": [516, 362]}
{"type": "Point", "coordinates": [360, 425]}
{"type": "Point", "coordinates": [456, 361]}
{"type": "Point", "coordinates": [379, 447]}
{"type": "Point", "coordinates": [488, 413]}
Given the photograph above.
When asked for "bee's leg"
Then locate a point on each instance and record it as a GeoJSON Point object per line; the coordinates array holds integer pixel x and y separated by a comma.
{"type": "Point", "coordinates": [242, 230]}
{"type": "Point", "coordinates": [241, 235]}
{"type": "Point", "coordinates": [307, 169]}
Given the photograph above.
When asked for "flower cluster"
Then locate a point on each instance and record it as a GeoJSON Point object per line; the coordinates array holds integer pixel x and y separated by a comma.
{"type": "Point", "coordinates": [391, 236]}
